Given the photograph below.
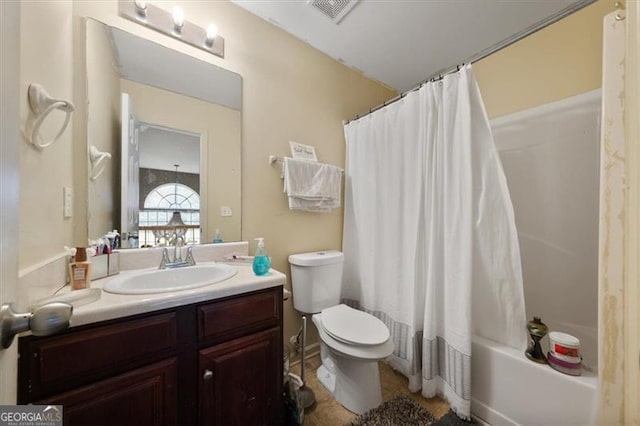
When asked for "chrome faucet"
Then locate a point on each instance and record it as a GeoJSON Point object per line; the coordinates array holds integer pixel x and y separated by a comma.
{"type": "Point", "coordinates": [178, 262]}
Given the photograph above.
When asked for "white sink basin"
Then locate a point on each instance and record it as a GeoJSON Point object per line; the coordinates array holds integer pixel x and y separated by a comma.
{"type": "Point", "coordinates": [168, 280]}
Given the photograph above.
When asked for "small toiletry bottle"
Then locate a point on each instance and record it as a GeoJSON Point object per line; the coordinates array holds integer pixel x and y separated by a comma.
{"type": "Point", "coordinates": [79, 270]}
{"type": "Point", "coordinates": [261, 262]}
{"type": "Point", "coordinates": [217, 238]}
{"type": "Point", "coordinates": [116, 240]}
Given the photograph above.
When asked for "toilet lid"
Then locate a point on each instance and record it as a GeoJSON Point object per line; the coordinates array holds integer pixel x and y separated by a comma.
{"type": "Point", "coordinates": [352, 326]}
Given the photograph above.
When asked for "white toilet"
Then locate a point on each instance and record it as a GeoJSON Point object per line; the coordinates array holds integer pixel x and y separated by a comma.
{"type": "Point", "coordinates": [352, 341]}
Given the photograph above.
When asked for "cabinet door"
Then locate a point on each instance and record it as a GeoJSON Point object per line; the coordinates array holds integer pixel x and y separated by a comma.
{"type": "Point", "coordinates": [241, 381]}
{"type": "Point", "coordinates": [145, 396]}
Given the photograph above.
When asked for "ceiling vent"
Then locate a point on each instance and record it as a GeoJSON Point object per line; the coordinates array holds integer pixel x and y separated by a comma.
{"type": "Point", "coordinates": [335, 10]}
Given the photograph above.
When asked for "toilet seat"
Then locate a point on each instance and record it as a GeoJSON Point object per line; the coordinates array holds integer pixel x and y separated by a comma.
{"type": "Point", "coordinates": [354, 327]}
{"type": "Point", "coordinates": [370, 353]}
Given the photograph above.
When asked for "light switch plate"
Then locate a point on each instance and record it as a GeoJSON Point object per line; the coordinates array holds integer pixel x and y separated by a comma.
{"type": "Point", "coordinates": [226, 211]}
{"type": "Point", "coordinates": [67, 206]}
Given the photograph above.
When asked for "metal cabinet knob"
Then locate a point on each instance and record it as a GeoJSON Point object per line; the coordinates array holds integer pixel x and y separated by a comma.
{"type": "Point", "coordinates": [208, 374]}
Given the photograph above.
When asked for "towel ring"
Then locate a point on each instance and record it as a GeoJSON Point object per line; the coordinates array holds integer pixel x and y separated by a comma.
{"type": "Point", "coordinates": [98, 162]}
{"type": "Point", "coordinates": [42, 105]}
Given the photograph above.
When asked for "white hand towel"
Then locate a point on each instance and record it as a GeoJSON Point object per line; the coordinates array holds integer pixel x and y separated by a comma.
{"type": "Point", "coordinates": [312, 186]}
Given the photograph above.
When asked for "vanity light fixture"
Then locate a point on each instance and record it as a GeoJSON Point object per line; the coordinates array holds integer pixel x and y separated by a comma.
{"type": "Point", "coordinates": [173, 24]}
{"type": "Point", "coordinates": [178, 19]}
{"type": "Point", "coordinates": [212, 32]}
{"type": "Point", "coordinates": [141, 8]}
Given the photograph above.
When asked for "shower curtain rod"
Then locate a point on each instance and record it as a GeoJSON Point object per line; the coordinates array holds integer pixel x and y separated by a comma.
{"type": "Point", "coordinates": [482, 54]}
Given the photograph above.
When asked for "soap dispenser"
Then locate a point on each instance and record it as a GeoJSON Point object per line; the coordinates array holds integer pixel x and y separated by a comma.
{"type": "Point", "coordinates": [80, 270]}
{"type": "Point", "coordinates": [261, 262]}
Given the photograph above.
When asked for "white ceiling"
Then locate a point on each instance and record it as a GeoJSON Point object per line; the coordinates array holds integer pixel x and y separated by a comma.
{"type": "Point", "coordinates": [402, 42]}
{"type": "Point", "coordinates": [162, 149]}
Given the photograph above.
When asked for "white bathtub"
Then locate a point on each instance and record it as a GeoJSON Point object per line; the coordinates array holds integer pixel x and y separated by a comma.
{"type": "Point", "coordinates": [509, 389]}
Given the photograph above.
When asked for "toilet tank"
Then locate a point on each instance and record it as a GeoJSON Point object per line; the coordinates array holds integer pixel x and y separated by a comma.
{"type": "Point", "coordinates": [316, 280]}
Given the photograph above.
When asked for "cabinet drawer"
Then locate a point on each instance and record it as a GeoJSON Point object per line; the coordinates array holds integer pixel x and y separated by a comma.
{"type": "Point", "coordinates": [77, 357]}
{"type": "Point", "coordinates": [241, 315]}
{"type": "Point", "coordinates": [144, 396]}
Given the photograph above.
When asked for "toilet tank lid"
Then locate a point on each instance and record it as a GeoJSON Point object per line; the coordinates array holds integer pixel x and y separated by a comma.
{"type": "Point", "coordinates": [317, 258]}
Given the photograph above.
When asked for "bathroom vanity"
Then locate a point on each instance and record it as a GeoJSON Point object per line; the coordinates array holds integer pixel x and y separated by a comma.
{"type": "Point", "coordinates": [206, 356]}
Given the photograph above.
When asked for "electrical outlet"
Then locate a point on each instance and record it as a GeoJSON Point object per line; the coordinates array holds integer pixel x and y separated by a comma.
{"type": "Point", "coordinates": [226, 211]}
{"type": "Point", "coordinates": [67, 204]}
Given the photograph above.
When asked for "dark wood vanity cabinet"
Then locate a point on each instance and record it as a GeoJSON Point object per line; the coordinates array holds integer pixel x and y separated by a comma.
{"type": "Point", "coordinates": [212, 363]}
{"type": "Point", "coordinates": [237, 385]}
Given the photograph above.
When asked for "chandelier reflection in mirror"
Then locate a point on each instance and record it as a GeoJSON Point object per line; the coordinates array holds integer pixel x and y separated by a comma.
{"type": "Point", "coordinates": [171, 215]}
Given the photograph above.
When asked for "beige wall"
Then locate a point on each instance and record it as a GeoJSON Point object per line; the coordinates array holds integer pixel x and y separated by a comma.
{"type": "Point", "coordinates": [219, 129]}
{"type": "Point", "coordinates": [46, 55]}
{"type": "Point", "coordinates": [562, 60]}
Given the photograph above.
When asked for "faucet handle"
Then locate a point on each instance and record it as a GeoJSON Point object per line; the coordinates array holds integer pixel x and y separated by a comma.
{"type": "Point", "coordinates": [165, 258]}
{"type": "Point", "coordinates": [190, 260]}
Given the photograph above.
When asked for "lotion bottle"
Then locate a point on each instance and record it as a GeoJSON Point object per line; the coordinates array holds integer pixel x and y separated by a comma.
{"type": "Point", "coordinates": [80, 270]}
{"type": "Point", "coordinates": [261, 262]}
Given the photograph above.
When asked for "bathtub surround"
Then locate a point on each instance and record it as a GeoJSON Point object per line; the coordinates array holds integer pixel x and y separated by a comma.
{"type": "Point", "coordinates": [550, 156]}
{"type": "Point", "coordinates": [440, 218]}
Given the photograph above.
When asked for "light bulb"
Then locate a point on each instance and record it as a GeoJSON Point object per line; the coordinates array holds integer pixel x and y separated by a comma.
{"type": "Point", "coordinates": [141, 7]}
{"type": "Point", "coordinates": [178, 18]}
{"type": "Point", "coordinates": [212, 31]}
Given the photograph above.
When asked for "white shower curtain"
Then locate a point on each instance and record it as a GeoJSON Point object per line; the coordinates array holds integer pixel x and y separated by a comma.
{"type": "Point", "coordinates": [429, 234]}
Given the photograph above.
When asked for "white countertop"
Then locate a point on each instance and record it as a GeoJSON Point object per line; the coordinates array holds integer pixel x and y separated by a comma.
{"type": "Point", "coordinates": [112, 306]}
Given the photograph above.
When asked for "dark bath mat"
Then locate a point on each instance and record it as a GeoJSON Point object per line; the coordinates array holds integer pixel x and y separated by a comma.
{"type": "Point", "coordinates": [400, 410]}
{"type": "Point", "coordinates": [404, 411]}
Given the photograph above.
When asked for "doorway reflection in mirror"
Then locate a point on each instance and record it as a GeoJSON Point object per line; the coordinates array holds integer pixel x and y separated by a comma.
{"type": "Point", "coordinates": [169, 199]}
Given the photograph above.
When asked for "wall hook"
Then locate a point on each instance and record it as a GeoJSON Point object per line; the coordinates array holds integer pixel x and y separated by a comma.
{"type": "Point", "coordinates": [620, 11]}
{"type": "Point", "coordinates": [97, 161]}
{"type": "Point", "coordinates": [42, 105]}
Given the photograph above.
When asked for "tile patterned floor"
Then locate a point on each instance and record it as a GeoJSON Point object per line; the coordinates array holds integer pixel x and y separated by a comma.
{"type": "Point", "coordinates": [327, 412]}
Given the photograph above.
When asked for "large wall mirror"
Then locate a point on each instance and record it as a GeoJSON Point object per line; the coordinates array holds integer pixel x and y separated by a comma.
{"type": "Point", "coordinates": [172, 124]}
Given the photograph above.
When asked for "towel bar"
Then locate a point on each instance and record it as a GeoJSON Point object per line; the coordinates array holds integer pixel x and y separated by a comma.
{"type": "Point", "coordinates": [277, 158]}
